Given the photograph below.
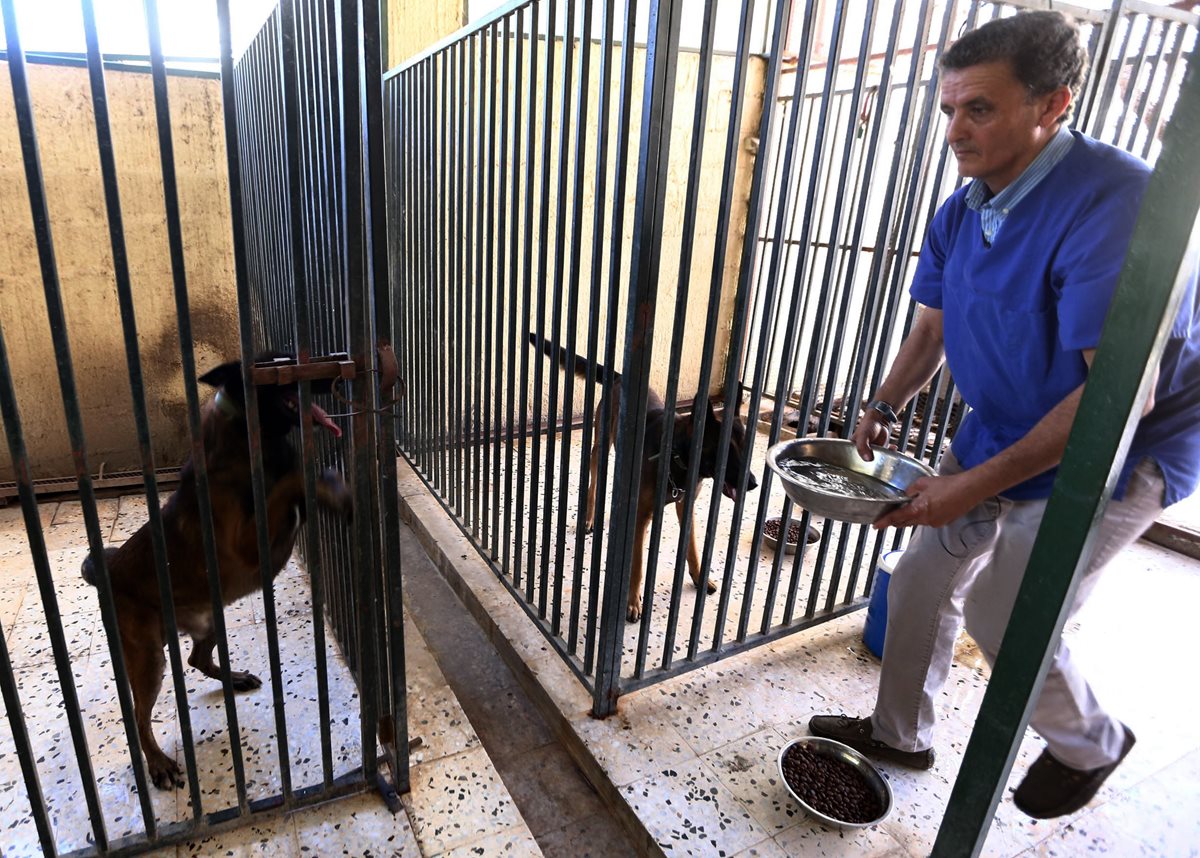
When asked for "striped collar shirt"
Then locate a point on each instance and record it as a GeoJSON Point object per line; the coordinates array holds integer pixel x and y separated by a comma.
{"type": "Point", "coordinates": [994, 209]}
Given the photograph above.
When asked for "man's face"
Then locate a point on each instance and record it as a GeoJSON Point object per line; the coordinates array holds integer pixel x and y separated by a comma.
{"type": "Point", "coordinates": [996, 128]}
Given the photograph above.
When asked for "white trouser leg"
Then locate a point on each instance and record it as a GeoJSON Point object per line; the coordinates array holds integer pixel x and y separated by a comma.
{"type": "Point", "coordinates": [1077, 730]}
{"type": "Point", "coordinates": [924, 616]}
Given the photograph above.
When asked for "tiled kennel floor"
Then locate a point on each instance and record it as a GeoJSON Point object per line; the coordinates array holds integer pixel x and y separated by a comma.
{"type": "Point", "coordinates": [538, 550]}
{"type": "Point", "coordinates": [458, 805]}
{"type": "Point", "coordinates": [691, 761]}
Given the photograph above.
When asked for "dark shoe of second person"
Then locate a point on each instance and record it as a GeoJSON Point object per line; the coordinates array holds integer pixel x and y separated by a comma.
{"type": "Point", "coordinates": [1052, 788]}
{"type": "Point", "coordinates": [856, 732]}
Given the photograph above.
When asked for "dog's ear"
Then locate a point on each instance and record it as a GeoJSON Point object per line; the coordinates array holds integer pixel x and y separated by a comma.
{"type": "Point", "coordinates": [710, 415]}
{"type": "Point", "coordinates": [228, 375]}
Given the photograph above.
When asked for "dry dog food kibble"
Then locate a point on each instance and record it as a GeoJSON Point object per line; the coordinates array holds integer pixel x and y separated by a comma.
{"type": "Point", "coordinates": [832, 786]}
{"type": "Point", "coordinates": [771, 529]}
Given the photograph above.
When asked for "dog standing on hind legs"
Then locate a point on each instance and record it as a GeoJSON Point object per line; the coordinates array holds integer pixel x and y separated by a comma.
{"type": "Point", "coordinates": [678, 461]}
{"type": "Point", "coordinates": [131, 567]}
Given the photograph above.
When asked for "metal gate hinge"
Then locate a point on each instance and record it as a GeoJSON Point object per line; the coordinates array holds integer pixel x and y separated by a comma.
{"type": "Point", "coordinates": [389, 367]}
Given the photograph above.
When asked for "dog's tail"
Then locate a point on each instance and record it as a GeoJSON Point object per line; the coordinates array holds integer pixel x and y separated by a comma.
{"type": "Point", "coordinates": [88, 569]}
{"type": "Point", "coordinates": [604, 375]}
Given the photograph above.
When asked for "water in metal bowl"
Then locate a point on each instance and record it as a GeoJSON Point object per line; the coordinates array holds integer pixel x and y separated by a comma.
{"type": "Point", "coordinates": [828, 477]}
{"type": "Point", "coordinates": [875, 783]}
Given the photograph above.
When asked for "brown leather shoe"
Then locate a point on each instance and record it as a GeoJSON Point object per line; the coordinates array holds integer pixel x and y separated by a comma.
{"type": "Point", "coordinates": [856, 732]}
{"type": "Point", "coordinates": [1051, 788]}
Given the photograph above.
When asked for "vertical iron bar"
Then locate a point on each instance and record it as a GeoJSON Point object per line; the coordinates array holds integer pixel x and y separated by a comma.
{"type": "Point", "coordinates": [16, 718]}
{"type": "Point", "coordinates": [602, 626]}
{"type": "Point", "coordinates": [678, 331]}
{"type": "Point", "coordinates": [133, 361]}
{"type": "Point", "coordinates": [581, 124]}
{"type": "Point", "coordinates": [503, 368]}
{"type": "Point", "coordinates": [462, 221]}
{"type": "Point", "coordinates": [478, 423]}
{"type": "Point", "coordinates": [1152, 122]}
{"type": "Point", "coordinates": [11, 418]}
{"type": "Point", "coordinates": [445, 282]}
{"type": "Point", "coordinates": [513, 81]}
{"type": "Point", "coordinates": [494, 315]}
{"type": "Point", "coordinates": [540, 322]}
{"type": "Point", "coordinates": [377, 252]}
{"type": "Point", "coordinates": [836, 341]}
{"type": "Point", "coordinates": [326, 105]}
{"type": "Point", "coordinates": [40, 213]}
{"type": "Point", "coordinates": [366, 565]}
{"type": "Point", "coordinates": [882, 91]}
{"type": "Point", "coordinates": [655, 145]}
{"type": "Point", "coordinates": [376, 234]}
{"type": "Point", "coordinates": [564, 378]}
{"type": "Point", "coordinates": [188, 361]}
{"type": "Point", "coordinates": [740, 316]}
{"type": "Point", "coordinates": [1112, 70]}
{"type": "Point", "coordinates": [472, 249]}
{"type": "Point", "coordinates": [526, 311]}
{"type": "Point", "coordinates": [302, 333]}
{"type": "Point", "coordinates": [1131, 88]}
{"type": "Point", "coordinates": [258, 478]}
{"type": "Point", "coordinates": [593, 333]}
{"type": "Point", "coordinates": [1098, 68]}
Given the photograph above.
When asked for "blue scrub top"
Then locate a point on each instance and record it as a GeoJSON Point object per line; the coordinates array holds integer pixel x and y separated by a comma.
{"type": "Point", "coordinates": [1019, 312]}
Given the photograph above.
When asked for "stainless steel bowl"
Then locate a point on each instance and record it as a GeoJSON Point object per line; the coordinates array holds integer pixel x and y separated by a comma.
{"type": "Point", "coordinates": [829, 748]}
{"type": "Point", "coordinates": [894, 469]}
{"type": "Point", "coordinates": [810, 536]}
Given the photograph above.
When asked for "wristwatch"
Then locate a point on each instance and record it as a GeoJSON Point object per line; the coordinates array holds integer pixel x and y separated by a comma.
{"type": "Point", "coordinates": [889, 413]}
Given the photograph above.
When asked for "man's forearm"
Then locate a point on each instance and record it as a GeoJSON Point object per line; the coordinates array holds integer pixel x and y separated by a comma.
{"type": "Point", "coordinates": [920, 355]}
{"type": "Point", "coordinates": [1037, 452]}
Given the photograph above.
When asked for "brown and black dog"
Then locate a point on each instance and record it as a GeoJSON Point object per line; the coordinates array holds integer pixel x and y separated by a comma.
{"type": "Point", "coordinates": [736, 465]}
{"type": "Point", "coordinates": [131, 567]}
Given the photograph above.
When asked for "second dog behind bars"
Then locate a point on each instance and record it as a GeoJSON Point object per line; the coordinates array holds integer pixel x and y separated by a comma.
{"type": "Point", "coordinates": [677, 460]}
{"type": "Point", "coordinates": [131, 567]}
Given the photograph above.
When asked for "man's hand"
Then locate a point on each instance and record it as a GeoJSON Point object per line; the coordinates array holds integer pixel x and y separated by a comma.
{"type": "Point", "coordinates": [935, 501]}
{"type": "Point", "coordinates": [871, 430]}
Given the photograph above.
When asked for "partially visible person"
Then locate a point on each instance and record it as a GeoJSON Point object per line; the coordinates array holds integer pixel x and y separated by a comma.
{"type": "Point", "coordinates": [1015, 279]}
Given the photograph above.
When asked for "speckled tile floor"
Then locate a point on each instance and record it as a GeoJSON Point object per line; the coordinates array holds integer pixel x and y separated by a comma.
{"type": "Point", "coordinates": [570, 602]}
{"type": "Point", "coordinates": [458, 806]}
{"type": "Point", "coordinates": [691, 761]}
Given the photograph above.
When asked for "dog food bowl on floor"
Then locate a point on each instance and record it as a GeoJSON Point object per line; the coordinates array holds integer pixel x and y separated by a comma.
{"type": "Point", "coordinates": [827, 477]}
{"type": "Point", "coordinates": [774, 525]}
{"type": "Point", "coordinates": [832, 779]}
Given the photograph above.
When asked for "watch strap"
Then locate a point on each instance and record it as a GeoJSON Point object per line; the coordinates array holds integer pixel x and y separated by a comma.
{"type": "Point", "coordinates": [885, 409]}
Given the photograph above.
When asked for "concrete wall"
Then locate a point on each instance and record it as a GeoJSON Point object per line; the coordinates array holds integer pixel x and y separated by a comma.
{"type": "Point", "coordinates": [70, 164]}
{"type": "Point", "coordinates": [545, 275]}
{"type": "Point", "coordinates": [414, 25]}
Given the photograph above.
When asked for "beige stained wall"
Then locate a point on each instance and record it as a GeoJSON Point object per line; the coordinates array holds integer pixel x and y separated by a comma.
{"type": "Point", "coordinates": [701, 241]}
{"type": "Point", "coordinates": [414, 25]}
{"type": "Point", "coordinates": [70, 164]}
{"type": "Point", "coordinates": [66, 131]}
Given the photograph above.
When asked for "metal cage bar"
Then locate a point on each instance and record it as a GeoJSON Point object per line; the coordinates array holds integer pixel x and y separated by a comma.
{"type": "Point", "coordinates": [70, 397]}
{"type": "Point", "coordinates": [846, 173]}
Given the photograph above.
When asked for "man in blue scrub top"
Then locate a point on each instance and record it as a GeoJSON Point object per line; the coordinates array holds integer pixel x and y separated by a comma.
{"type": "Point", "coordinates": [1015, 279]}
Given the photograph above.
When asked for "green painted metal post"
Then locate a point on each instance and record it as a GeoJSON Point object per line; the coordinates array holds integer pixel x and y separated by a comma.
{"type": "Point", "coordinates": [1146, 302]}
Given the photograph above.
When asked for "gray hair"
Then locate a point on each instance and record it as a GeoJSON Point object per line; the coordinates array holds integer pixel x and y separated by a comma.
{"type": "Point", "coordinates": [1042, 48]}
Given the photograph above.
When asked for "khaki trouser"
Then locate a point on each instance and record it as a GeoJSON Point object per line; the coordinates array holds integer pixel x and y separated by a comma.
{"type": "Point", "coordinates": [971, 570]}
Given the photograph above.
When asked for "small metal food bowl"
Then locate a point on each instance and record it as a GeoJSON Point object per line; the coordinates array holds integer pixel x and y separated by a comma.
{"type": "Point", "coordinates": [827, 477]}
{"type": "Point", "coordinates": [829, 748]}
{"type": "Point", "coordinates": [811, 535]}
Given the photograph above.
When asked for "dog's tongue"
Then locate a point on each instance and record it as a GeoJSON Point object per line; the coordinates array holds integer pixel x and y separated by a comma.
{"type": "Point", "coordinates": [730, 491]}
{"type": "Point", "coordinates": [320, 418]}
